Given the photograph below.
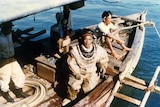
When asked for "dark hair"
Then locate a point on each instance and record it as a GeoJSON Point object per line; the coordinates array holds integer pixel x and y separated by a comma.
{"type": "Point", "coordinates": [82, 32]}
{"type": "Point", "coordinates": [86, 30]}
{"type": "Point", "coordinates": [58, 16]}
{"type": "Point", "coordinates": [6, 27]}
{"type": "Point", "coordinates": [106, 14]}
{"type": "Point", "coordinates": [7, 24]}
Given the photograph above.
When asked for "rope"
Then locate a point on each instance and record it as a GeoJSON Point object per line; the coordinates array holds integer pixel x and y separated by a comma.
{"type": "Point", "coordinates": [33, 100]}
{"type": "Point", "coordinates": [156, 30]}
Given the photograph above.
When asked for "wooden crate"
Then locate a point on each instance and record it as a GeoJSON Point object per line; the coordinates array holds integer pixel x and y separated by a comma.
{"type": "Point", "coordinates": [46, 72]}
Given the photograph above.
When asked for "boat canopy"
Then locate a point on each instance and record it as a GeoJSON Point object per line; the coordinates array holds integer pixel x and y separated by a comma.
{"type": "Point", "coordinates": [16, 9]}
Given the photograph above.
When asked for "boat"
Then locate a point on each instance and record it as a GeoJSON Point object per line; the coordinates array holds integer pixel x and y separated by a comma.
{"type": "Point", "coordinates": [41, 69]}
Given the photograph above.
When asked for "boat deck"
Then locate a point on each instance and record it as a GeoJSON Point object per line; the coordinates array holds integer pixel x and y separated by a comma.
{"type": "Point", "coordinates": [51, 97]}
{"type": "Point", "coordinates": [27, 53]}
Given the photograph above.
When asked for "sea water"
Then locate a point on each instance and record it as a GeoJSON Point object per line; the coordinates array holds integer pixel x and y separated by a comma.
{"type": "Point", "coordinates": [91, 14]}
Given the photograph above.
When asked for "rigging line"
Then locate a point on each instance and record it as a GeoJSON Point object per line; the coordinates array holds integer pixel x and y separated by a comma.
{"type": "Point", "coordinates": [157, 31]}
{"type": "Point", "coordinates": [154, 26]}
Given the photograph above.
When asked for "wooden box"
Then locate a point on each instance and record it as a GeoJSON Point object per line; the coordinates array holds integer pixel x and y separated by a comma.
{"type": "Point", "coordinates": [46, 72]}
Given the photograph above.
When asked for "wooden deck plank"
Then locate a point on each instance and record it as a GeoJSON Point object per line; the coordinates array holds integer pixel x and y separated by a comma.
{"type": "Point", "coordinates": [96, 94]}
{"type": "Point", "coordinates": [104, 95]}
{"type": "Point", "coordinates": [102, 101]}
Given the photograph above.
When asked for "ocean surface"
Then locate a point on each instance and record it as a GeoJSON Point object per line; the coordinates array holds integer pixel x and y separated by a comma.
{"type": "Point", "coordinates": [91, 14]}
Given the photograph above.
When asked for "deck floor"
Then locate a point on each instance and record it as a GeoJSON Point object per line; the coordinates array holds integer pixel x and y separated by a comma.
{"type": "Point", "coordinates": [30, 52]}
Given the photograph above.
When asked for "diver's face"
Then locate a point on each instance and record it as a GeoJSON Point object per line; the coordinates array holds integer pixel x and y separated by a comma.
{"type": "Point", "coordinates": [87, 40]}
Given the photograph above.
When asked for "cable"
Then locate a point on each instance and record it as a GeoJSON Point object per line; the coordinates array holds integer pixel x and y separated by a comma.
{"type": "Point", "coordinates": [156, 30]}
{"type": "Point", "coordinates": [39, 94]}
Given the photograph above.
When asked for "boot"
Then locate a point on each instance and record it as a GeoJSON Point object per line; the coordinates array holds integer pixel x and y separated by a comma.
{"type": "Point", "coordinates": [7, 96]}
{"type": "Point", "coordinates": [19, 93]}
